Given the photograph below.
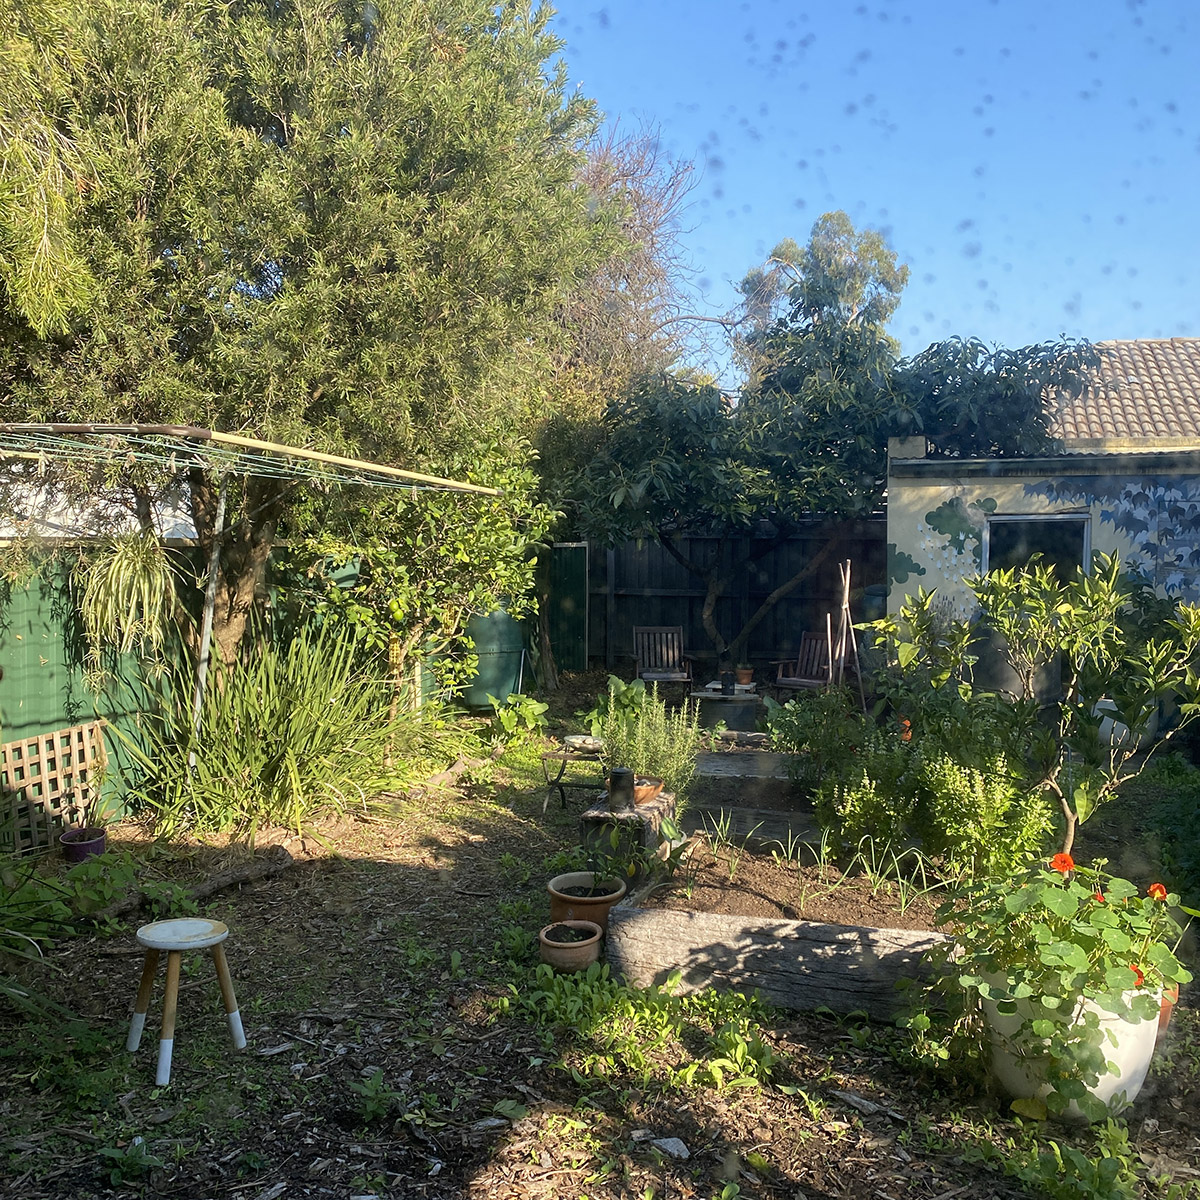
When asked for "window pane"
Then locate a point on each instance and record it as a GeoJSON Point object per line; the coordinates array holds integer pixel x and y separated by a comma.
{"type": "Point", "coordinates": [1060, 543]}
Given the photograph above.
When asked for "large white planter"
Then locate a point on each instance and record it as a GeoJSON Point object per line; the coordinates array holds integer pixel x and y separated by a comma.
{"type": "Point", "coordinates": [1023, 1075]}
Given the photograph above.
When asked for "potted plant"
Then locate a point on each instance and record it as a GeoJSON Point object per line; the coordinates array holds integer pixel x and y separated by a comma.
{"type": "Point", "coordinates": [744, 673]}
{"type": "Point", "coordinates": [570, 945]}
{"type": "Point", "coordinates": [81, 843]}
{"type": "Point", "coordinates": [584, 896]}
{"type": "Point", "coordinates": [1069, 966]}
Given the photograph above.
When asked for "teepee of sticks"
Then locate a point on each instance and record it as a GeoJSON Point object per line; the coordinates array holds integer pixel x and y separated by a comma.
{"type": "Point", "coordinates": [845, 645]}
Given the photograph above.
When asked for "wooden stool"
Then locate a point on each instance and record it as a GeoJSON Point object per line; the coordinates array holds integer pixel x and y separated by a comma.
{"type": "Point", "coordinates": [176, 936]}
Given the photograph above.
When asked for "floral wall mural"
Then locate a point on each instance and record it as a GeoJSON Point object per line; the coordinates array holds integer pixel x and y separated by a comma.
{"type": "Point", "coordinates": [937, 523]}
{"type": "Point", "coordinates": [1156, 519]}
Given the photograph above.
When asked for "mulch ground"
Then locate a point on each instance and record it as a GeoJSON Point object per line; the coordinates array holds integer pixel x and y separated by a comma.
{"type": "Point", "coordinates": [373, 977]}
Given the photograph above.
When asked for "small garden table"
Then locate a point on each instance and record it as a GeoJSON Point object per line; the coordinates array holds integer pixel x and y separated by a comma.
{"type": "Point", "coordinates": [565, 759]}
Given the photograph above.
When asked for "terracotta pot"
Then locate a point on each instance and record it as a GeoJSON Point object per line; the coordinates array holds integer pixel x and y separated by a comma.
{"type": "Point", "coordinates": [582, 908]}
{"type": "Point", "coordinates": [1170, 998]}
{"type": "Point", "coordinates": [571, 956]}
{"type": "Point", "coordinates": [646, 789]}
{"type": "Point", "coordinates": [745, 675]}
{"type": "Point", "coordinates": [78, 844]}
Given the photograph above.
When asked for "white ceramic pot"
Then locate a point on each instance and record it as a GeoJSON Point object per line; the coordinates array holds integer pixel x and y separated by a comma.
{"type": "Point", "coordinates": [1022, 1073]}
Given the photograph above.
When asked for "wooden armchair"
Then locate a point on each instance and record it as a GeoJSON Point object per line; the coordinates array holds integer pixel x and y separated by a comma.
{"type": "Point", "coordinates": [659, 653]}
{"type": "Point", "coordinates": [811, 668]}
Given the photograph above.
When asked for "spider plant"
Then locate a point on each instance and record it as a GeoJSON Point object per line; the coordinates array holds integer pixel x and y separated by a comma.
{"type": "Point", "coordinates": [126, 594]}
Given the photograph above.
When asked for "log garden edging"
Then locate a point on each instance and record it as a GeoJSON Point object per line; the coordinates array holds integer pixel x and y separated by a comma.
{"type": "Point", "coordinates": [794, 964]}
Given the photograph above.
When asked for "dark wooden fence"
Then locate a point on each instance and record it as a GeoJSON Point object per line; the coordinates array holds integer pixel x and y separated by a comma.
{"type": "Point", "coordinates": [639, 583]}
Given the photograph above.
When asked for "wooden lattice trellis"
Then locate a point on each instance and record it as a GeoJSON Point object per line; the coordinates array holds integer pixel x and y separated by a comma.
{"type": "Point", "coordinates": [48, 782]}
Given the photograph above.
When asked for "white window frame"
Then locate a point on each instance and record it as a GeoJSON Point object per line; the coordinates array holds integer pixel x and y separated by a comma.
{"type": "Point", "coordinates": [1084, 517]}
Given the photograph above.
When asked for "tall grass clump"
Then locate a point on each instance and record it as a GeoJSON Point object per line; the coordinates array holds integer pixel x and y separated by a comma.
{"type": "Point", "coordinates": [286, 732]}
{"type": "Point", "coordinates": [653, 741]}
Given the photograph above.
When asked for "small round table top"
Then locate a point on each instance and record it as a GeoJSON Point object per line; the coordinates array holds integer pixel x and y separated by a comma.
{"type": "Point", "coordinates": [182, 933]}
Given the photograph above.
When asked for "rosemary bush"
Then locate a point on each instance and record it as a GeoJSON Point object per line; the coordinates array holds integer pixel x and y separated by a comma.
{"type": "Point", "coordinates": [653, 741]}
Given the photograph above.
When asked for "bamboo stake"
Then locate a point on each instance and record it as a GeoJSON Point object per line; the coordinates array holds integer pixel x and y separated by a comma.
{"type": "Point", "coordinates": [829, 644]}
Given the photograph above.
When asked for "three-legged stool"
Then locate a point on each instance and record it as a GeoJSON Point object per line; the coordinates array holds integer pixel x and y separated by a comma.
{"type": "Point", "coordinates": [176, 936]}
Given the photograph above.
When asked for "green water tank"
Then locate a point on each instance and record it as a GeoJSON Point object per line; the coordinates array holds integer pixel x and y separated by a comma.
{"type": "Point", "coordinates": [500, 643]}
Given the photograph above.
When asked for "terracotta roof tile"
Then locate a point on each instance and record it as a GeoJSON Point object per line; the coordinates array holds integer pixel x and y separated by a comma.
{"type": "Point", "coordinates": [1146, 393]}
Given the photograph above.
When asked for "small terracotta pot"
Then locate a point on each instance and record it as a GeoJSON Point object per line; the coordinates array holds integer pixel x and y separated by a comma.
{"type": "Point", "coordinates": [745, 675]}
{"type": "Point", "coordinates": [571, 956]}
{"type": "Point", "coordinates": [646, 789]}
{"type": "Point", "coordinates": [78, 844]}
{"type": "Point", "coordinates": [582, 908]}
{"type": "Point", "coordinates": [1170, 998]}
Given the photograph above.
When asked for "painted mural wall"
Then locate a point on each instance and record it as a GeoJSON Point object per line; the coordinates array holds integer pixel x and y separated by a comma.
{"type": "Point", "coordinates": [936, 527]}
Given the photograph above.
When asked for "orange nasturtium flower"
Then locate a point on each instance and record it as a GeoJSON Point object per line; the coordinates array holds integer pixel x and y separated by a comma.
{"type": "Point", "coordinates": [1062, 863]}
{"type": "Point", "coordinates": [1098, 897]}
{"type": "Point", "coordinates": [1139, 978]}
{"type": "Point", "coordinates": [905, 729]}
{"type": "Point", "coordinates": [1156, 891]}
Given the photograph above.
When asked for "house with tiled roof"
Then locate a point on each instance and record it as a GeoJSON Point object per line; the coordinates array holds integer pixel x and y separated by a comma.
{"type": "Point", "coordinates": [1127, 481]}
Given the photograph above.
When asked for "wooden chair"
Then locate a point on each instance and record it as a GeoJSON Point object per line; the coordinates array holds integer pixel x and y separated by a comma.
{"type": "Point", "coordinates": [659, 653]}
{"type": "Point", "coordinates": [811, 668]}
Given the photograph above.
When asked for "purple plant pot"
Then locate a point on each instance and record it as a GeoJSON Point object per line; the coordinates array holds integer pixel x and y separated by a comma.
{"type": "Point", "coordinates": [78, 844]}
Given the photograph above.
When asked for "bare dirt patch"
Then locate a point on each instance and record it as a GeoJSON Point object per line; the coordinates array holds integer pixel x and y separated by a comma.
{"type": "Point", "coordinates": [745, 884]}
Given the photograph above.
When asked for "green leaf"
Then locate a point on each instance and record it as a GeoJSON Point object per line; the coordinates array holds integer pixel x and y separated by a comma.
{"type": "Point", "coordinates": [512, 1109]}
{"type": "Point", "coordinates": [1030, 1107]}
{"type": "Point", "coordinates": [1060, 901]}
{"type": "Point", "coordinates": [1116, 939]}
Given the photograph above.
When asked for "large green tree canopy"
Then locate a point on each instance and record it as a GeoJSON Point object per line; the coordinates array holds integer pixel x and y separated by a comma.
{"type": "Point", "coordinates": [43, 277]}
{"type": "Point", "coordinates": [807, 439]}
{"type": "Point", "coordinates": [327, 223]}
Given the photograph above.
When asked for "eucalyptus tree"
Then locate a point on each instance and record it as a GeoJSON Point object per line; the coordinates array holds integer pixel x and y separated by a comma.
{"type": "Point", "coordinates": [807, 439]}
{"type": "Point", "coordinates": [323, 222]}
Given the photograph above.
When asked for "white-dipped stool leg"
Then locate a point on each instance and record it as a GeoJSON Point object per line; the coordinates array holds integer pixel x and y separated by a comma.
{"type": "Point", "coordinates": [227, 996]}
{"type": "Point", "coordinates": [142, 1006]}
{"type": "Point", "coordinates": [166, 1043]}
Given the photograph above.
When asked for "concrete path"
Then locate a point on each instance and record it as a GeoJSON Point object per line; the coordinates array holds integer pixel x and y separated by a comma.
{"type": "Point", "coordinates": [748, 764]}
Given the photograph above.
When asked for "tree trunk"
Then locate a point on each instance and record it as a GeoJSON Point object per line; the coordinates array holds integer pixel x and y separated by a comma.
{"type": "Point", "coordinates": [246, 545]}
{"type": "Point", "coordinates": [717, 580]}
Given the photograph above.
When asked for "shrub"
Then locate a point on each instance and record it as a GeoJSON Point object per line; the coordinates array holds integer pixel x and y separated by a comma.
{"type": "Point", "coordinates": [977, 819]}
{"type": "Point", "coordinates": [653, 740]}
{"type": "Point", "coordinates": [284, 733]}
{"type": "Point", "coordinates": [621, 698]}
{"type": "Point", "coordinates": [981, 819]}
{"type": "Point", "coordinates": [821, 729]}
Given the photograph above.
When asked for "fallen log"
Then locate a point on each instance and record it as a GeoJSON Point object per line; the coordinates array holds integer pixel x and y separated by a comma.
{"type": "Point", "coordinates": [261, 866]}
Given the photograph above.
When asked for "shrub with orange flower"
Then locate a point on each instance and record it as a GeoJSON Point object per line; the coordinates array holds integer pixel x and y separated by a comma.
{"type": "Point", "coordinates": [1044, 941]}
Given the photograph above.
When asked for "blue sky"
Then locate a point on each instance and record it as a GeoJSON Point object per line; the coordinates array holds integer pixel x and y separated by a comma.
{"type": "Point", "coordinates": [1036, 164]}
